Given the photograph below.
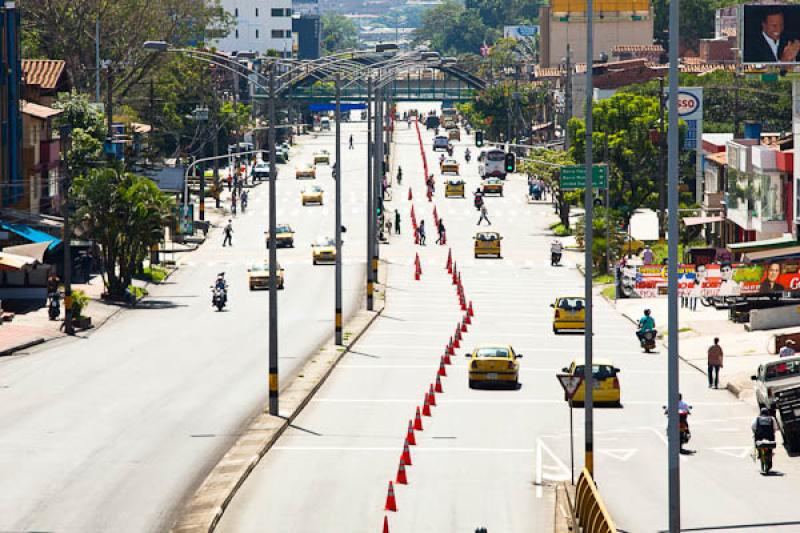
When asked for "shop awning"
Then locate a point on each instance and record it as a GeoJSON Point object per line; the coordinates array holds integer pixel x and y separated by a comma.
{"type": "Point", "coordinates": [33, 235]}
{"type": "Point", "coordinates": [35, 250]}
{"type": "Point", "coordinates": [773, 253]}
{"type": "Point", "coordinates": [14, 262]}
{"type": "Point", "coordinates": [766, 244]}
{"type": "Point", "coordinates": [694, 221]}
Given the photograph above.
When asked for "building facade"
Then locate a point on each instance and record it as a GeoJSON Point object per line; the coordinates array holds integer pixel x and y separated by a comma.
{"type": "Point", "coordinates": [259, 26]}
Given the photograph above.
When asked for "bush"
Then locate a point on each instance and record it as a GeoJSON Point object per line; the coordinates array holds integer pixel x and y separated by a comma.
{"type": "Point", "coordinates": [153, 274]}
{"type": "Point", "coordinates": [79, 303]}
{"type": "Point", "coordinates": [560, 230]}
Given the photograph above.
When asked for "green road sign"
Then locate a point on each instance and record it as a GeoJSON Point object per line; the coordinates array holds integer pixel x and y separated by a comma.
{"type": "Point", "coordinates": [574, 177]}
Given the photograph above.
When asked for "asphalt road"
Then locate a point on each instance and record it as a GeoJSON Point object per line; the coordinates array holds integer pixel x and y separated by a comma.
{"type": "Point", "coordinates": [489, 457]}
{"type": "Point", "coordinates": [113, 431]}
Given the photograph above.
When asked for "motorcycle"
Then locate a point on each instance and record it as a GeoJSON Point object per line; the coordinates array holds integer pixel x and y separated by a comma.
{"type": "Point", "coordinates": [467, 157]}
{"type": "Point", "coordinates": [555, 258]}
{"type": "Point", "coordinates": [764, 449]}
{"type": "Point", "coordinates": [683, 425]}
{"type": "Point", "coordinates": [648, 341]}
{"type": "Point", "coordinates": [54, 307]}
{"type": "Point", "coordinates": [219, 297]}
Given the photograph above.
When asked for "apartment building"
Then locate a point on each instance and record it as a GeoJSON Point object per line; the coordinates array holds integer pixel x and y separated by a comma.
{"type": "Point", "coordinates": [259, 26]}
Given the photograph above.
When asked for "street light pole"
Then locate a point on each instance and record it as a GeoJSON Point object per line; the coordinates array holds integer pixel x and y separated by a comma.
{"type": "Point", "coordinates": [69, 327]}
{"type": "Point", "coordinates": [370, 209]}
{"type": "Point", "coordinates": [273, 252]}
{"type": "Point", "coordinates": [338, 180]}
{"type": "Point", "coordinates": [377, 176]}
{"type": "Point", "coordinates": [672, 277]}
{"type": "Point", "coordinates": [588, 244]}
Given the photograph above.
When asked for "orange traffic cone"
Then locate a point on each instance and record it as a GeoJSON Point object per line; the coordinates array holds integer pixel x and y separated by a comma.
{"type": "Point", "coordinates": [432, 394]}
{"type": "Point", "coordinates": [449, 265]}
{"type": "Point", "coordinates": [457, 336]}
{"type": "Point", "coordinates": [391, 504]}
{"type": "Point", "coordinates": [463, 302]}
{"type": "Point", "coordinates": [416, 236]}
{"type": "Point", "coordinates": [410, 196]}
{"type": "Point", "coordinates": [455, 273]}
{"type": "Point", "coordinates": [459, 280]}
{"type": "Point", "coordinates": [405, 457]}
{"type": "Point", "coordinates": [463, 327]}
{"type": "Point", "coordinates": [442, 370]}
{"type": "Point", "coordinates": [413, 215]}
{"type": "Point", "coordinates": [416, 260]}
{"type": "Point", "coordinates": [435, 214]}
{"type": "Point", "coordinates": [426, 407]}
{"type": "Point", "coordinates": [418, 421]}
{"type": "Point", "coordinates": [469, 310]}
{"type": "Point", "coordinates": [450, 347]}
{"type": "Point", "coordinates": [410, 438]}
{"type": "Point", "coordinates": [416, 274]}
{"type": "Point", "coordinates": [438, 388]}
{"type": "Point", "coordinates": [467, 319]}
{"type": "Point", "coordinates": [401, 474]}
{"type": "Point", "coordinates": [447, 361]}
{"type": "Point", "coordinates": [385, 524]}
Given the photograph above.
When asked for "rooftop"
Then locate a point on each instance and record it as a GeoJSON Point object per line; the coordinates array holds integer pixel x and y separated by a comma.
{"type": "Point", "coordinates": [42, 72]}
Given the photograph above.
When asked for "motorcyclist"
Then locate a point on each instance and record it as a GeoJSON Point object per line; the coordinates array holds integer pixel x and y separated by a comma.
{"type": "Point", "coordinates": [467, 155]}
{"type": "Point", "coordinates": [556, 248]}
{"type": "Point", "coordinates": [441, 159]}
{"type": "Point", "coordinates": [764, 426]}
{"type": "Point", "coordinates": [399, 175]}
{"type": "Point", "coordinates": [646, 323]}
{"type": "Point", "coordinates": [221, 285]}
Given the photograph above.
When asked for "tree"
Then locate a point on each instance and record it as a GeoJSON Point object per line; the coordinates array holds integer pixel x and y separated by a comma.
{"type": "Point", "coordinates": [125, 214]}
{"type": "Point", "coordinates": [696, 21]}
{"type": "Point", "coordinates": [546, 165]}
{"type": "Point", "coordinates": [337, 33]}
{"type": "Point", "coordinates": [451, 29]}
{"type": "Point", "coordinates": [88, 130]}
{"type": "Point", "coordinates": [65, 29]}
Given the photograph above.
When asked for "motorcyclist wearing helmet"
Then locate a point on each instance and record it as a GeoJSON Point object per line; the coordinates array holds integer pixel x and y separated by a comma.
{"type": "Point", "coordinates": [764, 426]}
{"type": "Point", "coordinates": [646, 323]}
{"type": "Point", "coordinates": [220, 282]}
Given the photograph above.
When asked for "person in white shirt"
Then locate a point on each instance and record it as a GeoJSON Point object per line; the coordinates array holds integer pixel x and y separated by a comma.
{"type": "Point", "coordinates": [787, 350]}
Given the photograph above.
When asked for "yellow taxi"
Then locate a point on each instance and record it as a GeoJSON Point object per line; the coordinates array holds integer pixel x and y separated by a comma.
{"type": "Point", "coordinates": [449, 166]}
{"type": "Point", "coordinates": [494, 364]}
{"type": "Point", "coordinates": [284, 236]}
{"type": "Point", "coordinates": [322, 158]}
{"type": "Point", "coordinates": [606, 388]}
{"type": "Point", "coordinates": [312, 195]}
{"type": "Point", "coordinates": [454, 188]}
{"type": "Point", "coordinates": [323, 250]}
{"type": "Point", "coordinates": [487, 243]}
{"type": "Point", "coordinates": [258, 275]}
{"type": "Point", "coordinates": [454, 134]}
{"type": "Point", "coordinates": [492, 186]}
{"type": "Point", "coordinates": [569, 313]}
{"type": "Point", "coordinates": [305, 171]}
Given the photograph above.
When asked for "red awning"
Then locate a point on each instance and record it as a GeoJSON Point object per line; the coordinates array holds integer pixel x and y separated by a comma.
{"type": "Point", "coordinates": [694, 221]}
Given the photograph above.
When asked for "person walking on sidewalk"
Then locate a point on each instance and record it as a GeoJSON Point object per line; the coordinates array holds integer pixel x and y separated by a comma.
{"type": "Point", "coordinates": [228, 232]}
{"type": "Point", "coordinates": [244, 201]}
{"type": "Point", "coordinates": [233, 204]}
{"type": "Point", "coordinates": [421, 231]}
{"type": "Point", "coordinates": [351, 141]}
{"type": "Point", "coordinates": [714, 363]}
{"type": "Point", "coordinates": [397, 222]}
{"type": "Point", "coordinates": [484, 215]}
{"type": "Point", "coordinates": [440, 229]}
{"type": "Point", "coordinates": [230, 181]}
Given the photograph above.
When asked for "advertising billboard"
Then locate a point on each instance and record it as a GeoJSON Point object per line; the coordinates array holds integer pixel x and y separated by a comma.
{"type": "Point", "coordinates": [770, 34]}
{"type": "Point", "coordinates": [520, 32]}
{"type": "Point", "coordinates": [712, 280]}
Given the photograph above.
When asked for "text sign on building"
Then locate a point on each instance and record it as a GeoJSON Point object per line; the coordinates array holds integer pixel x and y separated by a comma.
{"type": "Point", "coordinates": [574, 177]}
{"type": "Point", "coordinates": [520, 32]}
{"type": "Point", "coordinates": [690, 110]}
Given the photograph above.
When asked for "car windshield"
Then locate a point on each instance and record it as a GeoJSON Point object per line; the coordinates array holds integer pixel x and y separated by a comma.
{"type": "Point", "coordinates": [283, 229]}
{"type": "Point", "coordinates": [325, 242]}
{"type": "Point", "coordinates": [496, 155]}
{"type": "Point", "coordinates": [261, 267]}
{"type": "Point", "coordinates": [487, 236]}
{"type": "Point", "coordinates": [450, 162]}
{"type": "Point", "coordinates": [315, 189]}
{"type": "Point", "coordinates": [783, 369]}
{"type": "Point", "coordinates": [493, 352]}
{"type": "Point", "coordinates": [598, 371]}
{"type": "Point", "coordinates": [440, 140]}
{"type": "Point", "coordinates": [571, 304]}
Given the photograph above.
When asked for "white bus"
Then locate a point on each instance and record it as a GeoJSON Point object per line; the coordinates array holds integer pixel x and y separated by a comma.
{"type": "Point", "coordinates": [494, 164]}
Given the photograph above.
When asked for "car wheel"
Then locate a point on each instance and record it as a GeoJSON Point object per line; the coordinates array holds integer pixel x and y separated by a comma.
{"type": "Point", "coordinates": [555, 331]}
{"type": "Point", "coordinates": [472, 384]}
{"type": "Point", "coordinates": [313, 261]}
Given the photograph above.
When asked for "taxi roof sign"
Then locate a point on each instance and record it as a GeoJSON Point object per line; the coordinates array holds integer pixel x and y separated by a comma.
{"type": "Point", "coordinates": [570, 383]}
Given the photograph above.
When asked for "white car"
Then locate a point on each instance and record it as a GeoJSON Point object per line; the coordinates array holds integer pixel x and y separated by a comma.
{"type": "Point", "coordinates": [774, 377]}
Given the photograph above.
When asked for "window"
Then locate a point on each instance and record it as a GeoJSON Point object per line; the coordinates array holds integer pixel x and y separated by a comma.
{"type": "Point", "coordinates": [237, 34]}
{"type": "Point", "coordinates": [278, 34]}
{"type": "Point", "coordinates": [256, 11]}
{"type": "Point", "coordinates": [277, 12]}
{"type": "Point", "coordinates": [236, 12]}
{"type": "Point", "coordinates": [256, 34]}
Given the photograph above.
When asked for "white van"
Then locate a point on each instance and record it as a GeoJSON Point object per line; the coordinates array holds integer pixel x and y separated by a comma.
{"type": "Point", "coordinates": [325, 124]}
{"type": "Point", "coordinates": [774, 377]}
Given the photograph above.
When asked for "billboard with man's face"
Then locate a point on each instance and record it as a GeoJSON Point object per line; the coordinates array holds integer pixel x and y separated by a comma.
{"type": "Point", "coordinates": [770, 34]}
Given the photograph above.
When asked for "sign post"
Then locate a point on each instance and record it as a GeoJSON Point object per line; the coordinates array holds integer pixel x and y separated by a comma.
{"type": "Point", "coordinates": [570, 384]}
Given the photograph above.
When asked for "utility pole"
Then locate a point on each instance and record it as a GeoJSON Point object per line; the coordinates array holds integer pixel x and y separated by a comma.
{"type": "Point", "coordinates": [608, 204]}
{"type": "Point", "coordinates": [673, 436]}
{"type": "Point", "coordinates": [377, 178]}
{"type": "Point", "coordinates": [338, 179]}
{"type": "Point", "coordinates": [370, 208]}
{"type": "Point", "coordinates": [273, 251]}
{"type": "Point", "coordinates": [588, 201]}
{"type": "Point", "coordinates": [66, 183]}
{"type": "Point", "coordinates": [567, 99]}
{"type": "Point", "coordinates": [662, 181]}
{"type": "Point", "coordinates": [215, 146]}
{"type": "Point", "coordinates": [97, 61]}
{"type": "Point", "coordinates": [110, 112]}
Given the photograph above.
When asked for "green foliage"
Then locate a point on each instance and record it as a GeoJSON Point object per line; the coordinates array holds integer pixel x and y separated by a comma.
{"type": "Point", "coordinates": [80, 301]}
{"type": "Point", "coordinates": [88, 130]}
{"type": "Point", "coordinates": [614, 239]}
{"type": "Point", "coordinates": [153, 274]}
{"type": "Point", "coordinates": [696, 20]}
{"type": "Point", "coordinates": [337, 33]}
{"type": "Point", "coordinates": [492, 106]}
{"type": "Point", "coordinates": [560, 230]}
{"type": "Point", "coordinates": [497, 13]}
{"type": "Point", "coordinates": [546, 165]}
{"type": "Point", "coordinates": [126, 214]}
{"type": "Point", "coordinates": [750, 273]}
{"type": "Point", "coordinates": [65, 29]}
{"type": "Point", "coordinates": [452, 29]}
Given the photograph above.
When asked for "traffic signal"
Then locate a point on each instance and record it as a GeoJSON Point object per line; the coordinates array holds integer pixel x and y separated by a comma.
{"type": "Point", "coordinates": [478, 138]}
{"type": "Point", "coordinates": [511, 162]}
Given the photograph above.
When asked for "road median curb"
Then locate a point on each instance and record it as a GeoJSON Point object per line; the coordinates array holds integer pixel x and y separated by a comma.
{"type": "Point", "coordinates": [202, 512]}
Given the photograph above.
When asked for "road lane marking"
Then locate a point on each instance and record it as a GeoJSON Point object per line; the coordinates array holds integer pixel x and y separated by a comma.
{"type": "Point", "coordinates": [621, 454]}
{"type": "Point", "coordinates": [562, 473]}
{"type": "Point", "coordinates": [739, 452]}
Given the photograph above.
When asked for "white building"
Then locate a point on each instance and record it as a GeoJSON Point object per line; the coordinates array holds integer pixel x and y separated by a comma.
{"type": "Point", "coordinates": [259, 25]}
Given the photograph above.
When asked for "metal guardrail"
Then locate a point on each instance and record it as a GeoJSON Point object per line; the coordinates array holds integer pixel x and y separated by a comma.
{"type": "Point", "coordinates": [593, 516]}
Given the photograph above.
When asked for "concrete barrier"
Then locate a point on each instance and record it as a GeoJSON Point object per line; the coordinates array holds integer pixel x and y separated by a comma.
{"type": "Point", "coordinates": [785, 316]}
{"type": "Point", "coordinates": [592, 514]}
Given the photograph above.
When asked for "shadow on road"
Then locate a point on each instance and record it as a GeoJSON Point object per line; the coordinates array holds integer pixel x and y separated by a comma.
{"type": "Point", "coordinates": [737, 526]}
